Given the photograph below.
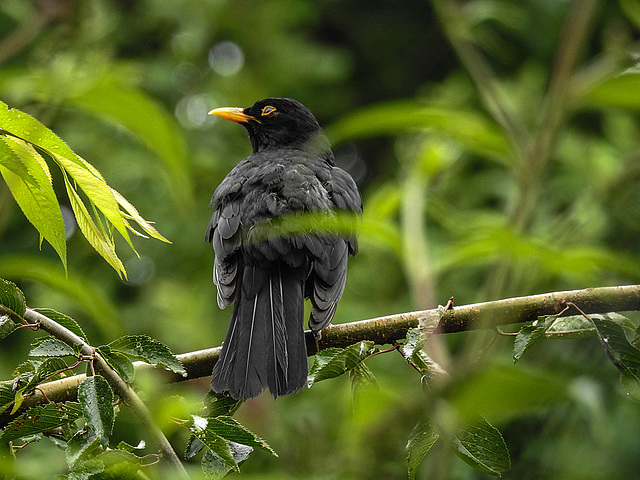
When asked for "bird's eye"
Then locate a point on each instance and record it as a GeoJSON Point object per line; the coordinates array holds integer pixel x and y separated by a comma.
{"type": "Point", "coordinates": [268, 110]}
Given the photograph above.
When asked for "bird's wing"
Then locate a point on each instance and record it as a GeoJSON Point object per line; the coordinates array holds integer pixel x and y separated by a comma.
{"type": "Point", "coordinates": [225, 235]}
{"type": "Point", "coordinates": [330, 262]}
{"type": "Point", "coordinates": [345, 196]}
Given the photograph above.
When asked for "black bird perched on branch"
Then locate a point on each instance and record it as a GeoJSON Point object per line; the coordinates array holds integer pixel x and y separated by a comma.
{"type": "Point", "coordinates": [292, 170]}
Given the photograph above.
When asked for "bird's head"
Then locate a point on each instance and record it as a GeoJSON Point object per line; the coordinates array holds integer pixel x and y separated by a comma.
{"type": "Point", "coordinates": [278, 122]}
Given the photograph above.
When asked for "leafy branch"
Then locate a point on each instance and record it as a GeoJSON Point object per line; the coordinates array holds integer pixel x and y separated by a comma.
{"type": "Point", "coordinates": [344, 349]}
{"type": "Point", "coordinates": [90, 385]}
{"type": "Point", "coordinates": [393, 328]}
{"type": "Point", "coordinates": [24, 143]}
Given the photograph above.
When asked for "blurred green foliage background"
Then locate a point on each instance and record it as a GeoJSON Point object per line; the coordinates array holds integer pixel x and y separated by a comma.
{"type": "Point", "coordinates": [497, 148]}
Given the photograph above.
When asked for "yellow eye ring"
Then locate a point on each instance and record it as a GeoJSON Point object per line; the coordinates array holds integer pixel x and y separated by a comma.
{"type": "Point", "coordinates": [268, 110]}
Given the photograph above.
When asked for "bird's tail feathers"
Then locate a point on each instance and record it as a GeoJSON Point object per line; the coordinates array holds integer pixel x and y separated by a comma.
{"type": "Point", "coordinates": [265, 345]}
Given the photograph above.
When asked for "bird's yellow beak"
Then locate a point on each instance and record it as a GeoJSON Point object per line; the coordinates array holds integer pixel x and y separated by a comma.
{"type": "Point", "coordinates": [232, 113]}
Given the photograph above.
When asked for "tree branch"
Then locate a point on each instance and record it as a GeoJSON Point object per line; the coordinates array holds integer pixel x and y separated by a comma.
{"type": "Point", "coordinates": [391, 328]}
{"type": "Point", "coordinates": [126, 393]}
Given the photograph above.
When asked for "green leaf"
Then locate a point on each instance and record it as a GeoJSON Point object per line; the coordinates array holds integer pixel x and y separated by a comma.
{"type": "Point", "coordinates": [423, 436]}
{"type": "Point", "coordinates": [64, 320]}
{"type": "Point", "coordinates": [7, 326]}
{"type": "Point", "coordinates": [133, 214]}
{"type": "Point", "coordinates": [527, 336]}
{"type": "Point", "coordinates": [24, 367]}
{"type": "Point", "coordinates": [41, 419]}
{"type": "Point", "coordinates": [362, 378]}
{"type": "Point", "coordinates": [51, 347]}
{"type": "Point", "coordinates": [414, 354]}
{"type": "Point", "coordinates": [11, 161]}
{"type": "Point", "coordinates": [147, 349]}
{"type": "Point", "coordinates": [148, 121]}
{"type": "Point", "coordinates": [622, 91]}
{"type": "Point", "coordinates": [333, 362]}
{"type": "Point", "coordinates": [36, 198]}
{"type": "Point", "coordinates": [44, 371]}
{"type": "Point", "coordinates": [96, 189]}
{"type": "Point", "coordinates": [220, 404]}
{"type": "Point", "coordinates": [624, 356]}
{"type": "Point", "coordinates": [96, 397]}
{"type": "Point", "coordinates": [12, 298]}
{"type": "Point", "coordinates": [231, 430]}
{"type": "Point", "coordinates": [26, 127]}
{"type": "Point", "coordinates": [119, 362]}
{"type": "Point", "coordinates": [80, 446]}
{"type": "Point", "coordinates": [7, 395]}
{"type": "Point", "coordinates": [219, 446]}
{"type": "Point", "coordinates": [104, 246]}
{"type": "Point", "coordinates": [471, 129]}
{"type": "Point", "coordinates": [570, 327]}
{"type": "Point", "coordinates": [194, 446]}
{"type": "Point", "coordinates": [119, 464]}
{"type": "Point", "coordinates": [481, 445]}
{"type": "Point", "coordinates": [214, 467]}
{"type": "Point", "coordinates": [86, 469]}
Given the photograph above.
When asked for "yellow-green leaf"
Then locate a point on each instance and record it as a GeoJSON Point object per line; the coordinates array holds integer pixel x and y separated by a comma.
{"type": "Point", "coordinates": [104, 246]}
{"type": "Point", "coordinates": [34, 194]}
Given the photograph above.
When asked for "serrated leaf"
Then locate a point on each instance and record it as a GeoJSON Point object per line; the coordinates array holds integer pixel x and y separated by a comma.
{"type": "Point", "coordinates": [414, 353]}
{"type": "Point", "coordinates": [331, 363]}
{"type": "Point", "coordinates": [527, 336]}
{"type": "Point", "coordinates": [6, 395]}
{"type": "Point", "coordinates": [423, 436]}
{"type": "Point", "coordinates": [86, 469]}
{"type": "Point", "coordinates": [40, 419]}
{"type": "Point", "coordinates": [214, 467]}
{"type": "Point", "coordinates": [231, 430]}
{"type": "Point", "coordinates": [362, 378]}
{"type": "Point", "coordinates": [198, 427]}
{"type": "Point", "coordinates": [51, 347]}
{"type": "Point", "coordinates": [83, 291]}
{"type": "Point", "coordinates": [220, 404]}
{"type": "Point", "coordinates": [80, 446]}
{"type": "Point", "coordinates": [194, 446]}
{"type": "Point", "coordinates": [571, 327]}
{"type": "Point", "coordinates": [96, 397]}
{"type": "Point", "coordinates": [147, 349]}
{"type": "Point", "coordinates": [12, 298]}
{"type": "Point", "coordinates": [481, 445]}
{"type": "Point", "coordinates": [64, 320]}
{"type": "Point", "coordinates": [104, 246]}
{"type": "Point", "coordinates": [24, 367]}
{"type": "Point", "coordinates": [119, 362]}
{"type": "Point", "coordinates": [7, 326]}
{"type": "Point", "coordinates": [622, 354]}
{"type": "Point", "coordinates": [37, 200]}
{"type": "Point", "coordinates": [44, 371]}
{"type": "Point", "coordinates": [119, 464]}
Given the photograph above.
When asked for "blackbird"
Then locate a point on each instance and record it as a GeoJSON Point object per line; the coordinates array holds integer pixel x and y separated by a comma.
{"type": "Point", "coordinates": [292, 170]}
